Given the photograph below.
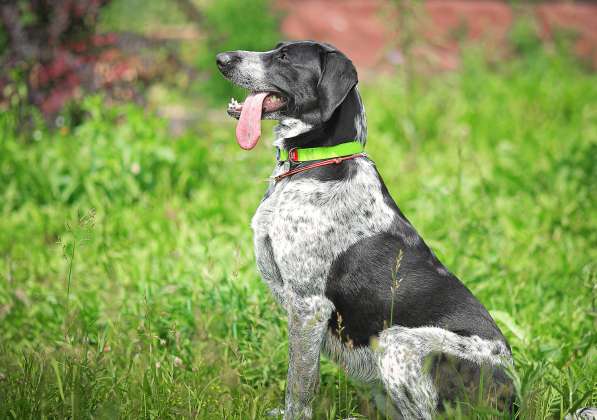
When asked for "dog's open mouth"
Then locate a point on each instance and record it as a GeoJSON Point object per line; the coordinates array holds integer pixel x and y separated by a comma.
{"type": "Point", "coordinates": [250, 113]}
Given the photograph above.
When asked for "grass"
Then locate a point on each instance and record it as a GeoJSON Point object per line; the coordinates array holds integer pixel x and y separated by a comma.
{"type": "Point", "coordinates": [127, 280]}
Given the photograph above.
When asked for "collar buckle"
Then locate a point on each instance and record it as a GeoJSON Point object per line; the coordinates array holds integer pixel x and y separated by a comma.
{"type": "Point", "coordinates": [293, 155]}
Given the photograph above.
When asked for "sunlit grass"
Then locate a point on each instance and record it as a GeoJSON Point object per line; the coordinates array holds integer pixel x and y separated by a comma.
{"type": "Point", "coordinates": [127, 279]}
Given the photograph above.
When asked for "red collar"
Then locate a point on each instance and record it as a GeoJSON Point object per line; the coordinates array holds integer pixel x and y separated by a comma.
{"type": "Point", "coordinates": [333, 161]}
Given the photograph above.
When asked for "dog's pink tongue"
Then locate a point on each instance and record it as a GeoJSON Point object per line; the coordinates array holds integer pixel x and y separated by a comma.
{"type": "Point", "coordinates": [248, 129]}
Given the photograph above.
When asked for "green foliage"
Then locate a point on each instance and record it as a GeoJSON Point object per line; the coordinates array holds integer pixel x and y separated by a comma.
{"type": "Point", "coordinates": [139, 15]}
{"type": "Point", "coordinates": [116, 155]}
{"type": "Point", "coordinates": [133, 293]}
{"type": "Point", "coordinates": [524, 37]}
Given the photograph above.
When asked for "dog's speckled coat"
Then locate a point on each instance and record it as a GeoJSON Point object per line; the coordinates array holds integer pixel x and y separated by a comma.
{"type": "Point", "coordinates": [356, 280]}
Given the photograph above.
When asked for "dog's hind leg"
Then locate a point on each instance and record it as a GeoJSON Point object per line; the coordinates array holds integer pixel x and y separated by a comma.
{"type": "Point", "coordinates": [411, 390]}
{"type": "Point", "coordinates": [307, 324]}
{"type": "Point", "coordinates": [403, 356]}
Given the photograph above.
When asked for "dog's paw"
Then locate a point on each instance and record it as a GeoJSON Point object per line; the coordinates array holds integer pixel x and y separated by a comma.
{"type": "Point", "coordinates": [275, 412]}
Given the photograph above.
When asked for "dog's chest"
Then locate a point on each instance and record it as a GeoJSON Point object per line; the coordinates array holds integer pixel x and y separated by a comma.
{"type": "Point", "coordinates": [304, 224]}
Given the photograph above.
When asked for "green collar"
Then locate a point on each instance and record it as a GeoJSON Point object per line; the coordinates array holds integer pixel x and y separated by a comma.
{"type": "Point", "coordinates": [319, 153]}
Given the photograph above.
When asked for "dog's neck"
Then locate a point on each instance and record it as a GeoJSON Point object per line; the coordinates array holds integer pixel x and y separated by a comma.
{"type": "Point", "coordinates": [348, 123]}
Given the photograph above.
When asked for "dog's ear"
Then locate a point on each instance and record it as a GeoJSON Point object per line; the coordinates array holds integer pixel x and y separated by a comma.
{"type": "Point", "coordinates": [338, 77]}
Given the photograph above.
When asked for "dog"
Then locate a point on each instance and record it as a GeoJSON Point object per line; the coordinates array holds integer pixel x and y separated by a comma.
{"type": "Point", "coordinates": [357, 281]}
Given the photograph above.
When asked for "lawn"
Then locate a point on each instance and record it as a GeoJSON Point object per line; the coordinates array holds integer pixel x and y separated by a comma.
{"type": "Point", "coordinates": [128, 286]}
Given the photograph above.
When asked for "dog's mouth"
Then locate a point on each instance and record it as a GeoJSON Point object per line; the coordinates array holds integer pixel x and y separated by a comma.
{"type": "Point", "coordinates": [256, 106]}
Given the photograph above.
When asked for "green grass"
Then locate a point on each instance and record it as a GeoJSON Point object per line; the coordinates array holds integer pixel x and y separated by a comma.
{"type": "Point", "coordinates": [127, 280]}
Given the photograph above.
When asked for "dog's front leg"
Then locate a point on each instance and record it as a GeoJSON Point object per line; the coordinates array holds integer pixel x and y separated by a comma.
{"type": "Point", "coordinates": [307, 323]}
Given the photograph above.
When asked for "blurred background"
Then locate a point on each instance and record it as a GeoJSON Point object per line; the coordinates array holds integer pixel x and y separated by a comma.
{"type": "Point", "coordinates": [54, 53]}
{"type": "Point", "coordinates": [127, 280]}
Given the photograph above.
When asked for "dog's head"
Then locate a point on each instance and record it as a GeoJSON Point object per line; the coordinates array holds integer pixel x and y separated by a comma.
{"type": "Point", "coordinates": [302, 81]}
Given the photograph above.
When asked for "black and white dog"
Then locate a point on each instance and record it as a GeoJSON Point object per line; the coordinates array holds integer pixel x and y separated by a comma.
{"type": "Point", "coordinates": [357, 281]}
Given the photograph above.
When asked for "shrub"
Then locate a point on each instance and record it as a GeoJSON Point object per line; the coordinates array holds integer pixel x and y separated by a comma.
{"type": "Point", "coordinates": [114, 157]}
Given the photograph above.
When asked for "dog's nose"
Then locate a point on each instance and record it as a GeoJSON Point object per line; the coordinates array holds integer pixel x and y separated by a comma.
{"type": "Point", "coordinates": [226, 59]}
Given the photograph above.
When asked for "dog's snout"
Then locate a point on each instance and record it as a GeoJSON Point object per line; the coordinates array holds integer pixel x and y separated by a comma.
{"type": "Point", "coordinates": [226, 60]}
{"type": "Point", "coordinates": [222, 59]}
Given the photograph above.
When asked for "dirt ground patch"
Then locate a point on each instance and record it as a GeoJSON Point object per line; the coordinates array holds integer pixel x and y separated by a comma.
{"type": "Point", "coordinates": [362, 29]}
